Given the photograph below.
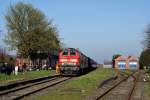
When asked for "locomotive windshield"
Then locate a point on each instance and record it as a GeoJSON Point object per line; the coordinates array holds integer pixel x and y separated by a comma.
{"type": "Point", "coordinates": [72, 52]}
{"type": "Point", "coordinates": [65, 52]}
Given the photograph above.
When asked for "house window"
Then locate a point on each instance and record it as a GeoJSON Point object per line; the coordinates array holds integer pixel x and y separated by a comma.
{"type": "Point", "coordinates": [121, 64]}
{"type": "Point", "coordinates": [133, 65]}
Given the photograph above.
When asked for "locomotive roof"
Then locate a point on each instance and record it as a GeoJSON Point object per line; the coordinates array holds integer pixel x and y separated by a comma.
{"type": "Point", "coordinates": [70, 48]}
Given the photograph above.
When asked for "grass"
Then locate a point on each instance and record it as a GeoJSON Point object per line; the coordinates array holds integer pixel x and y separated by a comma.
{"type": "Point", "coordinates": [147, 86]}
{"type": "Point", "coordinates": [147, 89]}
{"type": "Point", "coordinates": [80, 87]}
{"type": "Point", "coordinates": [27, 75]}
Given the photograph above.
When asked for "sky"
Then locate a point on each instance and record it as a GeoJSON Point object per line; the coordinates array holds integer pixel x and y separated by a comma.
{"type": "Point", "coordinates": [99, 28]}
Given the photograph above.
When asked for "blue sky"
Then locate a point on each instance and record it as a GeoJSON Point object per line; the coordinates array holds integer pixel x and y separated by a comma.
{"type": "Point", "coordinates": [99, 28]}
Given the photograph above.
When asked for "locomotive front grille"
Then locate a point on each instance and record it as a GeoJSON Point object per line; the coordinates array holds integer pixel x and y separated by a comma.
{"type": "Point", "coordinates": [74, 68]}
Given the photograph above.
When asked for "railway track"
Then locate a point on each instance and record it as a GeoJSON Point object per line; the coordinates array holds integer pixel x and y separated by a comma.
{"type": "Point", "coordinates": [28, 89]}
{"type": "Point", "coordinates": [11, 85]}
{"type": "Point", "coordinates": [122, 90]}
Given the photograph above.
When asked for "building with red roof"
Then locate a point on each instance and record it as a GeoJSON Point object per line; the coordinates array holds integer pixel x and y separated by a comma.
{"type": "Point", "coordinates": [127, 62]}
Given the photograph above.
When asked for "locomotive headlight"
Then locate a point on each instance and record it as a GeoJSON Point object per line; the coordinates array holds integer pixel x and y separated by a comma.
{"type": "Point", "coordinates": [73, 60]}
{"type": "Point", "coordinates": [63, 60]}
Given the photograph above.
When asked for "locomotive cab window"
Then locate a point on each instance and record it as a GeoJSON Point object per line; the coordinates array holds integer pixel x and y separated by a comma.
{"type": "Point", "coordinates": [72, 53]}
{"type": "Point", "coordinates": [65, 53]}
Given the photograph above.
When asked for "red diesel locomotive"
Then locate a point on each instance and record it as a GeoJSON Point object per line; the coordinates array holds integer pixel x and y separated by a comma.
{"type": "Point", "coordinates": [73, 62]}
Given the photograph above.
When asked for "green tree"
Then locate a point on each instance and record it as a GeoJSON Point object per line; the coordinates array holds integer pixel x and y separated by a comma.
{"type": "Point", "coordinates": [145, 54]}
{"type": "Point", "coordinates": [2, 55]}
{"type": "Point", "coordinates": [29, 30]}
{"type": "Point", "coordinates": [145, 58]}
{"type": "Point", "coordinates": [113, 59]}
{"type": "Point", "coordinates": [146, 42]}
